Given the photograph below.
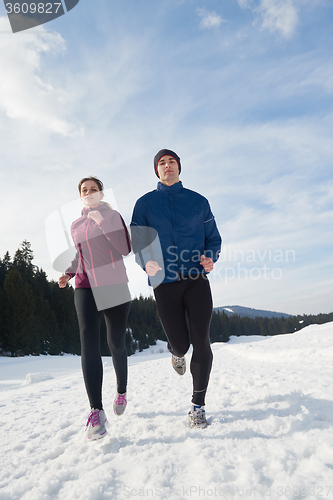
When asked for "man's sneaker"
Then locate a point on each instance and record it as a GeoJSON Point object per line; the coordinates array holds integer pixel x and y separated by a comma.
{"type": "Point", "coordinates": [119, 404]}
{"type": "Point", "coordinates": [198, 417]}
{"type": "Point", "coordinates": [96, 424]}
{"type": "Point", "coordinates": [179, 364]}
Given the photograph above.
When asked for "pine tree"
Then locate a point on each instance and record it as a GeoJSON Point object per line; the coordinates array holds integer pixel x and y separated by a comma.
{"type": "Point", "coordinates": [23, 261]}
{"type": "Point", "coordinates": [5, 265]}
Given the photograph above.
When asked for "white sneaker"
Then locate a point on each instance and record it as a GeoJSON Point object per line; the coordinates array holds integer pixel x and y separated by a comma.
{"type": "Point", "coordinates": [197, 417]}
{"type": "Point", "coordinates": [96, 424]}
{"type": "Point", "coordinates": [179, 364]}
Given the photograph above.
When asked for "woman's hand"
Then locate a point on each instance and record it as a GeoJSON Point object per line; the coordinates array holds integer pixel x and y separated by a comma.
{"type": "Point", "coordinates": [152, 267]}
{"type": "Point", "coordinates": [207, 263]}
{"type": "Point", "coordinates": [95, 216]}
{"type": "Point", "coordinates": [63, 280]}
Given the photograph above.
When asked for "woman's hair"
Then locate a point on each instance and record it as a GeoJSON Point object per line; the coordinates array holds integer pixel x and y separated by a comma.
{"type": "Point", "coordinates": [99, 185]}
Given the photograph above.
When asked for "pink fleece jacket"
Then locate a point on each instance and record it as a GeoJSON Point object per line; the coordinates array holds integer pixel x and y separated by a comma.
{"type": "Point", "coordinates": [100, 247]}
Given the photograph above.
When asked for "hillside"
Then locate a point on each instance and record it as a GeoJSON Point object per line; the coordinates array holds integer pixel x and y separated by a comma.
{"type": "Point", "coordinates": [250, 312]}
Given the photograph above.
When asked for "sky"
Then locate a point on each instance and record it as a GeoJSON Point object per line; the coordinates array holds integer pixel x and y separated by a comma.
{"type": "Point", "coordinates": [240, 89]}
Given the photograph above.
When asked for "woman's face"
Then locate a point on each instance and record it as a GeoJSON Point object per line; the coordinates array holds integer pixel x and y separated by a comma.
{"type": "Point", "coordinates": [91, 196]}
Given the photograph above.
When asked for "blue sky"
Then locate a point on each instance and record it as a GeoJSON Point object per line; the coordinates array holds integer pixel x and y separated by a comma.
{"type": "Point", "coordinates": [240, 89]}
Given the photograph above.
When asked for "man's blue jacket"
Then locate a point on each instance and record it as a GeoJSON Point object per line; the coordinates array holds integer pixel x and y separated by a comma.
{"type": "Point", "coordinates": [174, 226]}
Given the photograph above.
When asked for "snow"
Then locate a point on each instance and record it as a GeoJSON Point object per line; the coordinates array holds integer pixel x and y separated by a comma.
{"type": "Point", "coordinates": [269, 405]}
{"type": "Point", "coordinates": [33, 378]}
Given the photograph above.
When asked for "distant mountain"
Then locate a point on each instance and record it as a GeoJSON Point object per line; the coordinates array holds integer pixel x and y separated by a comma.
{"type": "Point", "coordinates": [249, 312]}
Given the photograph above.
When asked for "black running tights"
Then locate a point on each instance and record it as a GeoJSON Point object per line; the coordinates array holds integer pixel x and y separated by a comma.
{"type": "Point", "coordinates": [89, 323]}
{"type": "Point", "coordinates": [191, 297]}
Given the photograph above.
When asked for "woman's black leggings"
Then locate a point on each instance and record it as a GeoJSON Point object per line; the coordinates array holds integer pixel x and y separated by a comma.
{"type": "Point", "coordinates": [189, 297]}
{"type": "Point", "coordinates": [89, 323]}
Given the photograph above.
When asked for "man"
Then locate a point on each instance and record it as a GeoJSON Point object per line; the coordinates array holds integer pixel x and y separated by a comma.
{"type": "Point", "coordinates": [190, 245]}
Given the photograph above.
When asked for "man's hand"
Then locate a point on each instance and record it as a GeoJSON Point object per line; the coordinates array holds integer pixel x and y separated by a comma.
{"type": "Point", "coordinates": [207, 263]}
{"type": "Point", "coordinates": [152, 267]}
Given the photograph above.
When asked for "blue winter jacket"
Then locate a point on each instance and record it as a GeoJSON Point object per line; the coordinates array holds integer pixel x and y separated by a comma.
{"type": "Point", "coordinates": [186, 229]}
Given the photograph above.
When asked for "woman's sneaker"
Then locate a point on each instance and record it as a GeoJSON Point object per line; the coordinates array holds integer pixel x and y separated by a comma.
{"type": "Point", "coordinates": [95, 427]}
{"type": "Point", "coordinates": [119, 404]}
{"type": "Point", "coordinates": [198, 417]}
{"type": "Point", "coordinates": [179, 364]}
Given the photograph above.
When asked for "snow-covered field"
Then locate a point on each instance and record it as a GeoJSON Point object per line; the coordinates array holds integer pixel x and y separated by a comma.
{"type": "Point", "coordinates": [270, 406]}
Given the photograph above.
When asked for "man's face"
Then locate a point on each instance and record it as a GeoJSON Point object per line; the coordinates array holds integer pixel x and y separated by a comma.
{"type": "Point", "coordinates": [168, 170]}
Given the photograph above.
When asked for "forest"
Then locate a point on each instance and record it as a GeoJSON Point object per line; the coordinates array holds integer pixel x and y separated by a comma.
{"type": "Point", "coordinates": [37, 317]}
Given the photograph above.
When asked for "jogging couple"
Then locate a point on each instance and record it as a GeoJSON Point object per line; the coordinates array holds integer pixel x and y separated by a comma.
{"type": "Point", "coordinates": [176, 242]}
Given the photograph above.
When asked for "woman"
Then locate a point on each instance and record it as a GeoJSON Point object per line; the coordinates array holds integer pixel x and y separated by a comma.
{"type": "Point", "coordinates": [190, 244]}
{"type": "Point", "coordinates": [101, 239]}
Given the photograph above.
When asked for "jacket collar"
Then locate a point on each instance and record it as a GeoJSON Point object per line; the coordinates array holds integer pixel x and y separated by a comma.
{"type": "Point", "coordinates": [174, 189]}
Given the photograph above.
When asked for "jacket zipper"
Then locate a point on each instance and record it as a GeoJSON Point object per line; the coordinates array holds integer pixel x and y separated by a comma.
{"type": "Point", "coordinates": [91, 257]}
{"type": "Point", "coordinates": [112, 259]}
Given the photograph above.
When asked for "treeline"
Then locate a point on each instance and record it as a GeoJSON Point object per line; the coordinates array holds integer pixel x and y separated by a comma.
{"type": "Point", "coordinates": [223, 326]}
{"type": "Point", "coordinates": [37, 317]}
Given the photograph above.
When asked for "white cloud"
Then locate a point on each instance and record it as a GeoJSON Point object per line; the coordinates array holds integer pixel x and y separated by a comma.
{"type": "Point", "coordinates": [274, 15]}
{"type": "Point", "coordinates": [25, 94]}
{"type": "Point", "coordinates": [209, 19]}
{"type": "Point", "coordinates": [278, 15]}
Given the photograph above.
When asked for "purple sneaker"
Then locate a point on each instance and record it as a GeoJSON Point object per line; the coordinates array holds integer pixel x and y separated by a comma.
{"type": "Point", "coordinates": [96, 424]}
{"type": "Point", "coordinates": [119, 404]}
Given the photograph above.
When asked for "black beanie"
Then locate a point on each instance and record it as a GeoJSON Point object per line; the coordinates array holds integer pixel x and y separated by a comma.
{"type": "Point", "coordinates": [165, 152]}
